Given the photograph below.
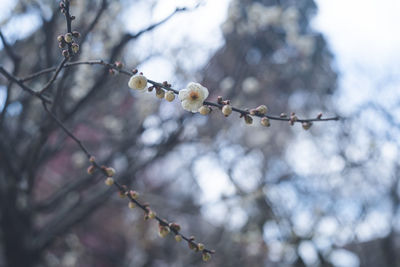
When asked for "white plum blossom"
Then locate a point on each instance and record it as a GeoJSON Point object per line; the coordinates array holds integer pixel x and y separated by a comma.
{"type": "Point", "coordinates": [193, 96]}
{"type": "Point", "coordinates": [138, 82]}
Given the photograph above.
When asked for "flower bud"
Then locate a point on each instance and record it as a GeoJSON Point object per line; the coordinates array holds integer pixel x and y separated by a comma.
{"type": "Point", "coordinates": [68, 37]}
{"type": "Point", "coordinates": [152, 214]}
{"type": "Point", "coordinates": [121, 194]}
{"type": "Point", "coordinates": [91, 169]}
{"type": "Point", "coordinates": [178, 238]}
{"type": "Point", "coordinates": [60, 38]}
{"type": "Point", "coordinates": [200, 246]}
{"type": "Point", "coordinates": [204, 110]}
{"type": "Point", "coordinates": [109, 181]}
{"type": "Point", "coordinates": [226, 110]}
{"type": "Point", "coordinates": [65, 53]}
{"type": "Point", "coordinates": [134, 194]}
{"type": "Point", "coordinates": [92, 159]}
{"type": "Point", "coordinates": [119, 64]}
{"type": "Point", "coordinates": [163, 231]}
{"type": "Point", "coordinates": [76, 34]}
{"type": "Point", "coordinates": [306, 125]}
{"type": "Point", "coordinates": [192, 246]}
{"type": "Point", "coordinates": [262, 110]}
{"type": "Point", "coordinates": [175, 227]}
{"type": "Point", "coordinates": [132, 205]}
{"type": "Point", "coordinates": [110, 171]}
{"type": "Point", "coordinates": [160, 93]}
{"type": "Point", "coordinates": [265, 122]}
{"type": "Point", "coordinates": [248, 119]}
{"type": "Point", "coordinates": [206, 256]}
{"type": "Point", "coordinates": [293, 119]}
{"type": "Point", "coordinates": [75, 47]}
{"type": "Point", "coordinates": [169, 96]}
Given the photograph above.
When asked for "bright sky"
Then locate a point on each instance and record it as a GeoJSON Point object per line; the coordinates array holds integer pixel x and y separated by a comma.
{"type": "Point", "coordinates": [363, 36]}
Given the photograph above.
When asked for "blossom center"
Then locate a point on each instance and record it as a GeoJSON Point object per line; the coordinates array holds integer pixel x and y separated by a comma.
{"type": "Point", "coordinates": [193, 95]}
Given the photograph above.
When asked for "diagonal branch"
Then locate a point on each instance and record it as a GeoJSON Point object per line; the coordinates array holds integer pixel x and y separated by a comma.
{"type": "Point", "coordinates": [53, 78]}
{"type": "Point", "coordinates": [23, 86]}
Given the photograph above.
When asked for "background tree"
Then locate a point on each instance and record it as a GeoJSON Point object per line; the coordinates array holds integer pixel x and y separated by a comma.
{"type": "Point", "coordinates": [237, 188]}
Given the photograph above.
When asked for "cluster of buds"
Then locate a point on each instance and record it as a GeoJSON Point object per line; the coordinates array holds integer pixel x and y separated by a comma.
{"type": "Point", "coordinates": [162, 93]}
{"type": "Point", "coordinates": [68, 44]}
{"type": "Point", "coordinates": [66, 41]}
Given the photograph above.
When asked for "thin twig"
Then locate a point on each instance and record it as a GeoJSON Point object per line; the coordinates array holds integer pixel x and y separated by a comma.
{"type": "Point", "coordinates": [23, 86]}
{"type": "Point", "coordinates": [53, 78]}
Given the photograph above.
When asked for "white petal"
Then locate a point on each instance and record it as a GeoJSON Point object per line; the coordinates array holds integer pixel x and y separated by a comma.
{"type": "Point", "coordinates": [186, 105]}
{"type": "Point", "coordinates": [205, 92]}
{"type": "Point", "coordinates": [183, 94]}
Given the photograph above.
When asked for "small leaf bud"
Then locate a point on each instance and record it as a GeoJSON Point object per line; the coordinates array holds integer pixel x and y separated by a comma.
{"type": "Point", "coordinates": [109, 181]}
{"type": "Point", "coordinates": [226, 110]}
{"type": "Point", "coordinates": [121, 194]}
{"type": "Point", "coordinates": [92, 159]}
{"type": "Point", "coordinates": [178, 238]}
{"type": "Point", "coordinates": [131, 205]}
